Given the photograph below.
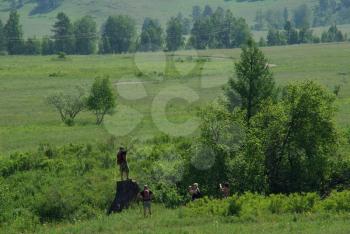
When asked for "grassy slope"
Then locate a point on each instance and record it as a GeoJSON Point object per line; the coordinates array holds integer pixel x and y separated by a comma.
{"type": "Point", "coordinates": [172, 221]}
{"type": "Point", "coordinates": [138, 9]}
{"type": "Point", "coordinates": [26, 120]}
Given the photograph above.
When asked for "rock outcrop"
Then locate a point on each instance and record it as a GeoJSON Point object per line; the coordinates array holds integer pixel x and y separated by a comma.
{"type": "Point", "coordinates": [126, 193]}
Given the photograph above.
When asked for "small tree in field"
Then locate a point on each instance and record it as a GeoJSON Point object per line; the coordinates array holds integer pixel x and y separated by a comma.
{"type": "Point", "coordinates": [68, 105]}
{"type": "Point", "coordinates": [254, 83]}
{"type": "Point", "coordinates": [102, 99]}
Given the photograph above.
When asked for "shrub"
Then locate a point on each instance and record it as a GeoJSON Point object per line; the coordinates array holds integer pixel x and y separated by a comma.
{"type": "Point", "coordinates": [169, 196]}
{"type": "Point", "coordinates": [234, 207]}
{"type": "Point", "coordinates": [302, 203]}
{"type": "Point", "coordinates": [337, 202]}
{"type": "Point", "coordinates": [61, 55]}
{"type": "Point", "coordinates": [277, 204]}
{"type": "Point", "coordinates": [68, 105]}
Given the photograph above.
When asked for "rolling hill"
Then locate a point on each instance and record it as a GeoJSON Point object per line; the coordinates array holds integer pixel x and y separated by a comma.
{"type": "Point", "coordinates": [40, 24]}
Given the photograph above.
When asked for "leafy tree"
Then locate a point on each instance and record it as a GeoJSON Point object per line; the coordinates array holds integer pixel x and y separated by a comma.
{"type": "Point", "coordinates": [254, 84]}
{"type": "Point", "coordinates": [302, 17]}
{"type": "Point", "coordinates": [221, 30]}
{"type": "Point", "coordinates": [207, 11]}
{"type": "Point", "coordinates": [151, 38]}
{"type": "Point", "coordinates": [220, 136]}
{"type": "Point", "coordinates": [101, 99]}
{"type": "Point", "coordinates": [14, 34]}
{"type": "Point", "coordinates": [174, 37]}
{"type": "Point", "coordinates": [63, 34]}
{"type": "Point", "coordinates": [275, 37]}
{"type": "Point", "coordinates": [200, 33]}
{"type": "Point", "coordinates": [333, 35]}
{"type": "Point", "coordinates": [47, 46]}
{"type": "Point", "coordinates": [298, 138]}
{"type": "Point", "coordinates": [32, 46]}
{"type": "Point", "coordinates": [68, 105]}
{"type": "Point", "coordinates": [306, 35]}
{"type": "Point", "coordinates": [85, 31]}
{"type": "Point", "coordinates": [118, 34]}
{"type": "Point", "coordinates": [292, 35]}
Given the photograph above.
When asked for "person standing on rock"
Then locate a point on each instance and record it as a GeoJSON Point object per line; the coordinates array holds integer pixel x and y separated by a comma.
{"type": "Point", "coordinates": [123, 163]}
{"type": "Point", "coordinates": [146, 196]}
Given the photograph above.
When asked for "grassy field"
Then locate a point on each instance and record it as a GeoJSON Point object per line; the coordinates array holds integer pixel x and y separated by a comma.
{"type": "Point", "coordinates": [172, 221]}
{"type": "Point", "coordinates": [39, 25]}
{"type": "Point", "coordinates": [151, 88]}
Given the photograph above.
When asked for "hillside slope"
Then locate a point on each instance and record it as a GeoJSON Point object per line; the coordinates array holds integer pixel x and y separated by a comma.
{"type": "Point", "coordinates": [40, 24]}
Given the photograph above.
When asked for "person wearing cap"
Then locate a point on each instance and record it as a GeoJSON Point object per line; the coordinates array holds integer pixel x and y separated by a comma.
{"type": "Point", "coordinates": [194, 191]}
{"type": "Point", "coordinates": [146, 196]}
{"type": "Point", "coordinates": [123, 163]}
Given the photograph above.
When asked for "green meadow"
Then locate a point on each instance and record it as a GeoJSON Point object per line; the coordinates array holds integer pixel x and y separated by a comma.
{"type": "Point", "coordinates": [166, 89]}
{"type": "Point", "coordinates": [172, 221]}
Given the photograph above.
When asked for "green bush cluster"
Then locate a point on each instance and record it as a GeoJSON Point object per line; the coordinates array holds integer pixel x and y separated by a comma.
{"type": "Point", "coordinates": [251, 206]}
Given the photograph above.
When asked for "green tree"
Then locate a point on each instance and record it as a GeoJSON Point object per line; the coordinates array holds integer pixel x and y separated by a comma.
{"type": "Point", "coordinates": [47, 46]}
{"type": "Point", "coordinates": [14, 34]}
{"type": "Point", "coordinates": [298, 138]}
{"type": "Point", "coordinates": [118, 34]}
{"type": "Point", "coordinates": [333, 35]}
{"type": "Point", "coordinates": [151, 38]}
{"type": "Point", "coordinates": [220, 136]}
{"type": "Point", "coordinates": [200, 33]}
{"type": "Point", "coordinates": [275, 37]}
{"type": "Point", "coordinates": [63, 34]}
{"type": "Point", "coordinates": [32, 46]}
{"type": "Point", "coordinates": [174, 34]}
{"type": "Point", "coordinates": [101, 99]}
{"type": "Point", "coordinates": [68, 105]}
{"type": "Point", "coordinates": [208, 11]}
{"type": "Point", "coordinates": [85, 31]}
{"type": "Point", "coordinates": [254, 84]}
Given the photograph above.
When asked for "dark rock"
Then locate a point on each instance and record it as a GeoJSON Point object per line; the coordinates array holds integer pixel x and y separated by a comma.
{"type": "Point", "coordinates": [127, 192]}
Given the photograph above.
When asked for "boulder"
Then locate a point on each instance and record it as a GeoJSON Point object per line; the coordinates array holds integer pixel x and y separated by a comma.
{"type": "Point", "coordinates": [126, 193]}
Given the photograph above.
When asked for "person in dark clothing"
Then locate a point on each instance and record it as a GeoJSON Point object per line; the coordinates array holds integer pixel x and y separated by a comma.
{"type": "Point", "coordinates": [194, 191]}
{"type": "Point", "coordinates": [146, 196]}
{"type": "Point", "coordinates": [123, 163]}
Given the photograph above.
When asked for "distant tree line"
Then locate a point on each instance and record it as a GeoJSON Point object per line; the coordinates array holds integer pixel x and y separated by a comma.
{"type": "Point", "coordinates": [206, 29]}
{"type": "Point", "coordinates": [290, 36]}
{"type": "Point", "coordinates": [326, 12]}
{"type": "Point", "coordinates": [331, 11]}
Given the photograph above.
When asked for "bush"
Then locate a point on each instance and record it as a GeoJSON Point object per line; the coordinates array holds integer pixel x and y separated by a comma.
{"type": "Point", "coordinates": [234, 207]}
{"type": "Point", "coordinates": [302, 203]}
{"type": "Point", "coordinates": [61, 55]}
{"type": "Point", "coordinates": [277, 204]}
{"type": "Point", "coordinates": [169, 196]}
{"type": "Point", "coordinates": [336, 202]}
